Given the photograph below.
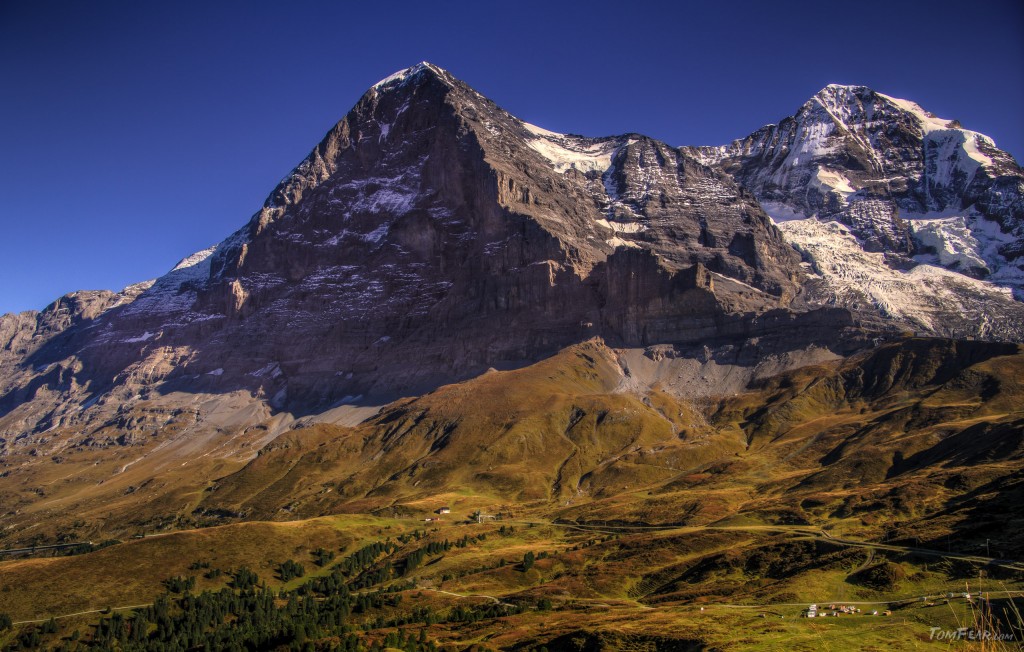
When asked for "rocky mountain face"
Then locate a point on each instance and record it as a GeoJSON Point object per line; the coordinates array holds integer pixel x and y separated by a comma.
{"type": "Point", "coordinates": [918, 190]}
{"type": "Point", "coordinates": [875, 163]}
{"type": "Point", "coordinates": [431, 236]}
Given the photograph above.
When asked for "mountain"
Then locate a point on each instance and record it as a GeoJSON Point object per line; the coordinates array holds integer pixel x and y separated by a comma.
{"type": "Point", "coordinates": [811, 329]}
{"type": "Point", "coordinates": [879, 164]}
{"type": "Point", "coordinates": [564, 431]}
{"type": "Point", "coordinates": [898, 197]}
{"type": "Point", "coordinates": [428, 237]}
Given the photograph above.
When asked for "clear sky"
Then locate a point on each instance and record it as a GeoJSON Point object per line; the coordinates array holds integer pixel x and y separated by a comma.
{"type": "Point", "coordinates": [134, 133]}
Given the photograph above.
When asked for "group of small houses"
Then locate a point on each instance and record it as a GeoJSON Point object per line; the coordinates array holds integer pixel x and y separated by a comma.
{"type": "Point", "coordinates": [813, 611]}
{"type": "Point", "coordinates": [478, 516]}
{"type": "Point", "coordinates": [439, 511]}
{"type": "Point", "coordinates": [839, 610]}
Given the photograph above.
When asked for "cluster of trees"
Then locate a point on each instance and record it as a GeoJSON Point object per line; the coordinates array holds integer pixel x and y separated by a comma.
{"type": "Point", "coordinates": [290, 569]}
{"type": "Point", "coordinates": [253, 618]}
{"type": "Point", "coordinates": [415, 535]}
{"type": "Point", "coordinates": [405, 640]}
{"type": "Point", "coordinates": [244, 578]}
{"type": "Point", "coordinates": [416, 557]}
{"type": "Point", "coordinates": [357, 563]}
{"type": "Point", "coordinates": [462, 614]}
{"type": "Point", "coordinates": [30, 638]}
{"type": "Point", "coordinates": [459, 614]}
{"type": "Point", "coordinates": [223, 620]}
{"type": "Point", "coordinates": [469, 541]}
{"type": "Point", "coordinates": [328, 612]}
{"type": "Point", "coordinates": [179, 584]}
{"type": "Point", "coordinates": [366, 556]}
{"type": "Point", "coordinates": [210, 574]}
{"type": "Point", "coordinates": [529, 558]}
{"type": "Point", "coordinates": [373, 576]}
{"type": "Point", "coordinates": [322, 557]}
{"type": "Point", "coordinates": [84, 548]}
{"type": "Point", "coordinates": [334, 583]}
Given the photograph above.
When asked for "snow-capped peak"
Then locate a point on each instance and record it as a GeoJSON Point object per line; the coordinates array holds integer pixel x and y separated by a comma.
{"type": "Point", "coordinates": [846, 102]}
{"type": "Point", "coordinates": [410, 72]}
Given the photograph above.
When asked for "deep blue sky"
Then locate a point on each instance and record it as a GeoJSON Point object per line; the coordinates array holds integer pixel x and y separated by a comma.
{"type": "Point", "coordinates": [134, 133]}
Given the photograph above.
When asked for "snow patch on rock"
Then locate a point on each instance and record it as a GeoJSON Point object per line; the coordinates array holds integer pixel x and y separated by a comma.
{"type": "Point", "coordinates": [929, 121]}
{"type": "Point", "coordinates": [831, 181]}
{"type": "Point", "coordinates": [174, 292]}
{"type": "Point", "coordinates": [951, 242]}
{"type": "Point", "coordinates": [966, 241]}
{"type": "Point", "coordinates": [780, 212]}
{"type": "Point", "coordinates": [619, 242]}
{"type": "Point", "coordinates": [622, 227]}
{"type": "Point", "coordinates": [565, 152]}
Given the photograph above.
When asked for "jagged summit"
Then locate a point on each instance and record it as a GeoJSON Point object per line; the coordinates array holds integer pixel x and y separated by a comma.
{"type": "Point", "coordinates": [401, 76]}
{"type": "Point", "coordinates": [870, 160]}
{"type": "Point", "coordinates": [838, 94]}
{"type": "Point", "coordinates": [844, 100]}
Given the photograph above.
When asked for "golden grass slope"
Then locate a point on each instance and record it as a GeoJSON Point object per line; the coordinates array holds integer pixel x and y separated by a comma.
{"type": "Point", "coordinates": [554, 432]}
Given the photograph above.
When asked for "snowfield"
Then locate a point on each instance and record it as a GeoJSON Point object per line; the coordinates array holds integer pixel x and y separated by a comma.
{"type": "Point", "coordinates": [850, 276]}
{"type": "Point", "coordinates": [565, 152]}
